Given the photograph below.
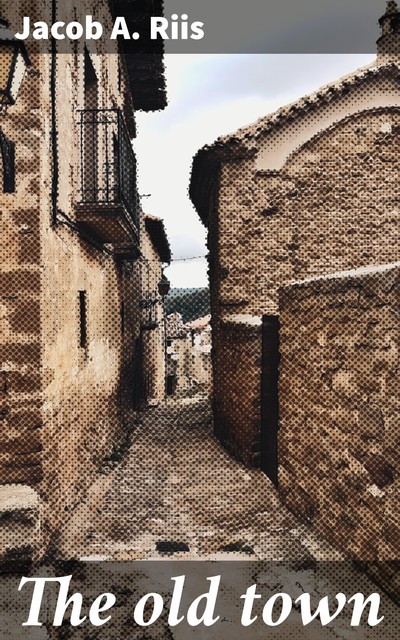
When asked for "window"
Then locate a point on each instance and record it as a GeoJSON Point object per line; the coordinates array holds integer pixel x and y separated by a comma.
{"type": "Point", "coordinates": [82, 320]}
{"type": "Point", "coordinates": [8, 158]}
{"type": "Point", "coordinates": [91, 84]}
{"type": "Point", "coordinates": [122, 312]}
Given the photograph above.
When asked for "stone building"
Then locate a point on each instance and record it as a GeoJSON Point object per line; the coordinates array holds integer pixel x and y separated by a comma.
{"type": "Point", "coordinates": [307, 191]}
{"type": "Point", "coordinates": [151, 343]}
{"type": "Point", "coordinates": [177, 380]}
{"type": "Point", "coordinates": [70, 280]}
{"type": "Point", "coordinates": [188, 355]}
{"type": "Point", "coordinates": [200, 369]}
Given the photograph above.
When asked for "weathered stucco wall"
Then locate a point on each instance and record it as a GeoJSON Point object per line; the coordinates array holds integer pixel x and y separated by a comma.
{"type": "Point", "coordinates": [88, 389]}
{"type": "Point", "coordinates": [83, 413]}
{"type": "Point", "coordinates": [332, 206]}
{"type": "Point", "coordinates": [339, 400]}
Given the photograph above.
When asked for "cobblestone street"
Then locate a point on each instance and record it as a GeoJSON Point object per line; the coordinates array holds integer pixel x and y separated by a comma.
{"type": "Point", "coordinates": [177, 495]}
{"type": "Point", "coordinates": [178, 492]}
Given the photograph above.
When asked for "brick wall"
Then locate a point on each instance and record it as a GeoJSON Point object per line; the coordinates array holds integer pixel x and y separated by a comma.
{"type": "Point", "coordinates": [339, 401]}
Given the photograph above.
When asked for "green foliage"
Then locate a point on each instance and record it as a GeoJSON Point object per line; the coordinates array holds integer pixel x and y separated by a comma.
{"type": "Point", "coordinates": [190, 303]}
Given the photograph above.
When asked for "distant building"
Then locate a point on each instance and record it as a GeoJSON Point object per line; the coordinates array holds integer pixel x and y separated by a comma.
{"type": "Point", "coordinates": [200, 367]}
{"type": "Point", "coordinates": [188, 354]}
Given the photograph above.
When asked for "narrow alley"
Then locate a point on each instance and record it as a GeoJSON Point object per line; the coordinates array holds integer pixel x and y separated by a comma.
{"type": "Point", "coordinates": [178, 493]}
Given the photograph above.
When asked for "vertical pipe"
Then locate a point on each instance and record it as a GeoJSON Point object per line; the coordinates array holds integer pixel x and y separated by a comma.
{"type": "Point", "coordinates": [54, 132]}
{"type": "Point", "coordinates": [81, 158]}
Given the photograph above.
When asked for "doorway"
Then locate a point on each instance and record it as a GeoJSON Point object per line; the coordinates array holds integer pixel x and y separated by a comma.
{"type": "Point", "coordinates": [269, 397]}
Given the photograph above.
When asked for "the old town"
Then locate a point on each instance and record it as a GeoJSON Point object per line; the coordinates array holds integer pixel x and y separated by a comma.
{"type": "Point", "coordinates": [252, 419]}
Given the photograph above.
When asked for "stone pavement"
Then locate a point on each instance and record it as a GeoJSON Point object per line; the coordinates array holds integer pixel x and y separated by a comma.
{"type": "Point", "coordinates": [177, 495]}
{"type": "Point", "coordinates": [178, 492]}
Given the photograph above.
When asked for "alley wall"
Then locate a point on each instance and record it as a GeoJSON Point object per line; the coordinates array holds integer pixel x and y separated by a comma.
{"type": "Point", "coordinates": [69, 309]}
{"type": "Point", "coordinates": [339, 405]}
{"type": "Point", "coordinates": [237, 404]}
{"type": "Point", "coordinates": [152, 321]}
{"type": "Point", "coordinates": [20, 284]}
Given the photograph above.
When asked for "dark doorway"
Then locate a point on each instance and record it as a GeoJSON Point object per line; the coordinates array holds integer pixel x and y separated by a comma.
{"type": "Point", "coordinates": [170, 385]}
{"type": "Point", "coordinates": [269, 397]}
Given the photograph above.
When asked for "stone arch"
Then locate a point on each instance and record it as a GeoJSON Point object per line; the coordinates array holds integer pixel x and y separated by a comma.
{"type": "Point", "coordinates": [377, 93]}
{"type": "Point", "coordinates": [353, 118]}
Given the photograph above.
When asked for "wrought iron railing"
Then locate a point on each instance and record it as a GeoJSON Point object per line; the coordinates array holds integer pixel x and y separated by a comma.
{"type": "Point", "coordinates": [107, 161]}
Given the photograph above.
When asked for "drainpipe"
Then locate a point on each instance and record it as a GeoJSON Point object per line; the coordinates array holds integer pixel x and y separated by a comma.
{"type": "Point", "coordinates": [54, 132]}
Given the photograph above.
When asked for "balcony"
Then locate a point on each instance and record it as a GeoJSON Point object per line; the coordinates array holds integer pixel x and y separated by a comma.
{"type": "Point", "coordinates": [107, 208]}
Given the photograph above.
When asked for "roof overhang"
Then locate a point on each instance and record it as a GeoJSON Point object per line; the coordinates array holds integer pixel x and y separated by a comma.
{"type": "Point", "coordinates": [158, 236]}
{"type": "Point", "coordinates": [144, 57]}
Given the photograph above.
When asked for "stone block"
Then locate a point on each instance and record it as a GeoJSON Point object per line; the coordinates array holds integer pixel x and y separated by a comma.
{"type": "Point", "coordinates": [14, 282]}
{"type": "Point", "coordinates": [370, 419]}
{"type": "Point", "coordinates": [31, 474]}
{"type": "Point", "coordinates": [26, 443]}
{"type": "Point", "coordinates": [26, 419]}
{"type": "Point", "coordinates": [380, 471]}
{"type": "Point", "coordinates": [301, 504]}
{"type": "Point", "coordinates": [20, 353]}
{"type": "Point", "coordinates": [3, 382]}
{"type": "Point", "coordinates": [19, 523]}
{"type": "Point", "coordinates": [392, 430]}
{"type": "Point", "coordinates": [25, 317]}
{"type": "Point", "coordinates": [18, 382]}
{"type": "Point", "coordinates": [346, 384]}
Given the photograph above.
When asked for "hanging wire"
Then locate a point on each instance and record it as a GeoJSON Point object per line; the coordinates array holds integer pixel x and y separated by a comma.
{"type": "Point", "coordinates": [182, 259]}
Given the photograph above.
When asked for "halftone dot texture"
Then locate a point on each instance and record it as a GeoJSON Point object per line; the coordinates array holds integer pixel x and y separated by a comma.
{"type": "Point", "coordinates": [307, 194]}
{"type": "Point", "coordinates": [110, 411]}
{"type": "Point", "coordinates": [304, 194]}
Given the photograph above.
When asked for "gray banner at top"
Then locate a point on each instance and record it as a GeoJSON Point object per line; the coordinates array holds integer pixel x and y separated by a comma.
{"type": "Point", "coordinates": [209, 26]}
{"type": "Point", "coordinates": [280, 26]}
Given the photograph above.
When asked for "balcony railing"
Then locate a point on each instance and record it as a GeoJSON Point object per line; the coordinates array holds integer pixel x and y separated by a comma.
{"type": "Point", "coordinates": [107, 174]}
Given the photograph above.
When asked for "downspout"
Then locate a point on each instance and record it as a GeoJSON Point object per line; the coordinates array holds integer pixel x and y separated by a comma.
{"type": "Point", "coordinates": [54, 132]}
